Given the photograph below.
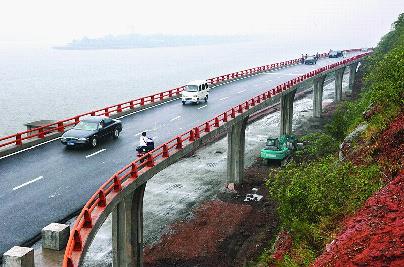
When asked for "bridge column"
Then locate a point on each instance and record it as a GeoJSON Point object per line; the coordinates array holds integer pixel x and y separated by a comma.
{"type": "Point", "coordinates": [287, 112]}
{"type": "Point", "coordinates": [352, 72]}
{"type": "Point", "coordinates": [318, 96]}
{"type": "Point", "coordinates": [339, 74]}
{"type": "Point", "coordinates": [235, 152]}
{"type": "Point", "coordinates": [127, 230]}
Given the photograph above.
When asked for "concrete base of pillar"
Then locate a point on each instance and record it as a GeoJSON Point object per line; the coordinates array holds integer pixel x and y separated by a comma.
{"type": "Point", "coordinates": [55, 236]}
{"type": "Point", "coordinates": [19, 257]}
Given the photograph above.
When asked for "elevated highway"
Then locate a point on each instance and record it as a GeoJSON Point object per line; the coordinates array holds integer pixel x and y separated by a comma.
{"type": "Point", "coordinates": [47, 183]}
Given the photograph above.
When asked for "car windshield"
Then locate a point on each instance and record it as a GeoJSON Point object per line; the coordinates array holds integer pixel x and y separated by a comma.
{"type": "Point", "coordinates": [192, 88]}
{"type": "Point", "coordinates": [333, 53]}
{"type": "Point", "coordinates": [86, 126]}
{"type": "Point", "coordinates": [310, 58]}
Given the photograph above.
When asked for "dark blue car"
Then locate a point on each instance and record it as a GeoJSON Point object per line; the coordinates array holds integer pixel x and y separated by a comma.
{"type": "Point", "coordinates": [90, 130]}
{"type": "Point", "coordinates": [335, 54]}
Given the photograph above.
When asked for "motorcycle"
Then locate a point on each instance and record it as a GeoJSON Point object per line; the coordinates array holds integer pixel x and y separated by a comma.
{"type": "Point", "coordinates": [143, 150]}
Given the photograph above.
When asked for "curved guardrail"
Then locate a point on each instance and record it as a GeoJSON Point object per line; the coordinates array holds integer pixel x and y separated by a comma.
{"type": "Point", "coordinates": [130, 173]}
{"type": "Point", "coordinates": [60, 126]}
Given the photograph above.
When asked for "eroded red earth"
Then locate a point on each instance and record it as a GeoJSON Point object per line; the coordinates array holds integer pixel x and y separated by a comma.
{"type": "Point", "coordinates": [375, 235]}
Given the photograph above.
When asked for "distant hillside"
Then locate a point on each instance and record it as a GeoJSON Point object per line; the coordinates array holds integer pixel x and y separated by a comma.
{"type": "Point", "coordinates": [145, 41]}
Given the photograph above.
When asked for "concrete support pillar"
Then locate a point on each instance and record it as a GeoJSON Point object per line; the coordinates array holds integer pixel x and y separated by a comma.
{"type": "Point", "coordinates": [287, 112]}
{"type": "Point", "coordinates": [127, 230]}
{"type": "Point", "coordinates": [339, 74]}
{"type": "Point", "coordinates": [318, 96]}
{"type": "Point", "coordinates": [352, 72]}
{"type": "Point", "coordinates": [235, 152]}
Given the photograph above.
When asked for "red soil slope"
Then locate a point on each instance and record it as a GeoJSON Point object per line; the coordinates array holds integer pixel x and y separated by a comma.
{"type": "Point", "coordinates": [375, 235]}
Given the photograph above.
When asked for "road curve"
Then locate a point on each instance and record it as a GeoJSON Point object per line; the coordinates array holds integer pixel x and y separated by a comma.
{"type": "Point", "coordinates": [48, 183]}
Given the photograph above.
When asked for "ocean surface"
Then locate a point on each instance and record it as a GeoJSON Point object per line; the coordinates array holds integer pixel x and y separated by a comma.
{"type": "Point", "coordinates": [46, 83]}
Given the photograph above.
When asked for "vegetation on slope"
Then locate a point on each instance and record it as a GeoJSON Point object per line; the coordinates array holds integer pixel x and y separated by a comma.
{"type": "Point", "coordinates": [317, 190]}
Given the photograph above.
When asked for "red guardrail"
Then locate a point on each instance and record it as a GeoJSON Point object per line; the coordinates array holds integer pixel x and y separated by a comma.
{"type": "Point", "coordinates": [121, 179]}
{"type": "Point", "coordinates": [59, 126]}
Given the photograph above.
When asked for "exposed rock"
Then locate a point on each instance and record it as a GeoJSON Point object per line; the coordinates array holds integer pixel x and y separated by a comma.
{"type": "Point", "coordinates": [350, 139]}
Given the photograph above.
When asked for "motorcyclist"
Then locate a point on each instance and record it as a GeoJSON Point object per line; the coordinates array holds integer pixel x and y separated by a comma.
{"type": "Point", "coordinates": [146, 144]}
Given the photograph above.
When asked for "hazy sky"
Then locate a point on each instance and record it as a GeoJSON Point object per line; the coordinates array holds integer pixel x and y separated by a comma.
{"type": "Point", "coordinates": [60, 21]}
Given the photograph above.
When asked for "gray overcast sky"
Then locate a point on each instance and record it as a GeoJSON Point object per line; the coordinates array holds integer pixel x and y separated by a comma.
{"type": "Point", "coordinates": [60, 21]}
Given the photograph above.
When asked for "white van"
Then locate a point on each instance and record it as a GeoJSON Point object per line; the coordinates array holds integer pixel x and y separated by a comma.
{"type": "Point", "coordinates": [195, 92]}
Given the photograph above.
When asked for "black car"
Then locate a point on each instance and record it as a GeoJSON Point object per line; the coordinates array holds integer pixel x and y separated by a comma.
{"type": "Point", "coordinates": [90, 130]}
{"type": "Point", "coordinates": [335, 54]}
{"type": "Point", "coordinates": [311, 60]}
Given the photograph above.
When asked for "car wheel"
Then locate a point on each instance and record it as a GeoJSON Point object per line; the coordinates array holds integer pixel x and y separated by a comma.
{"type": "Point", "coordinates": [116, 134]}
{"type": "Point", "coordinates": [183, 102]}
{"type": "Point", "coordinates": [197, 101]}
{"type": "Point", "coordinates": [206, 99]}
{"type": "Point", "coordinates": [94, 142]}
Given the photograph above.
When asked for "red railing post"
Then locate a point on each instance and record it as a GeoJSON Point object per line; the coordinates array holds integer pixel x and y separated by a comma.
{"type": "Point", "coordinates": [165, 151]}
{"type": "Point", "coordinates": [61, 127]}
{"type": "Point", "coordinates": [240, 109]}
{"type": "Point", "coordinates": [152, 98]}
{"type": "Point", "coordinates": [133, 171]}
{"type": "Point", "coordinates": [117, 184]}
{"type": "Point", "coordinates": [41, 134]}
{"type": "Point", "coordinates": [197, 134]}
{"type": "Point", "coordinates": [102, 201]}
{"type": "Point", "coordinates": [225, 116]}
{"type": "Point", "coordinates": [92, 113]}
{"type": "Point", "coordinates": [77, 243]}
{"type": "Point", "coordinates": [252, 102]}
{"type": "Point", "coordinates": [18, 140]}
{"type": "Point", "coordinates": [191, 135]}
{"type": "Point", "coordinates": [247, 105]}
{"type": "Point", "coordinates": [170, 93]}
{"type": "Point", "coordinates": [142, 101]}
{"type": "Point", "coordinates": [161, 96]}
{"type": "Point", "coordinates": [76, 120]}
{"type": "Point", "coordinates": [106, 112]}
{"type": "Point", "coordinates": [69, 262]}
{"type": "Point", "coordinates": [233, 113]}
{"type": "Point", "coordinates": [150, 160]}
{"type": "Point", "coordinates": [207, 127]}
{"type": "Point", "coordinates": [216, 122]}
{"type": "Point", "coordinates": [131, 105]}
{"type": "Point", "coordinates": [119, 109]}
{"type": "Point", "coordinates": [179, 143]}
{"type": "Point", "coordinates": [88, 222]}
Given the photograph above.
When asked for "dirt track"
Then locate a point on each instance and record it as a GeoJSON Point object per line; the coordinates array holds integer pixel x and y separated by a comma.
{"type": "Point", "coordinates": [224, 232]}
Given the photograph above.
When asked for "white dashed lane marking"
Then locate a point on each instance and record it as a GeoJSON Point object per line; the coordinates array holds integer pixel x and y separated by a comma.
{"type": "Point", "coordinates": [203, 107]}
{"type": "Point", "coordinates": [242, 91]}
{"type": "Point", "coordinates": [176, 118]}
{"type": "Point", "coordinates": [27, 183]}
{"type": "Point", "coordinates": [224, 98]}
{"type": "Point", "coordinates": [95, 153]}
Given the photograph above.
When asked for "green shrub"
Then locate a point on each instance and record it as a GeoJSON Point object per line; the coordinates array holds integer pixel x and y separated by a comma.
{"type": "Point", "coordinates": [310, 197]}
{"type": "Point", "coordinates": [316, 145]}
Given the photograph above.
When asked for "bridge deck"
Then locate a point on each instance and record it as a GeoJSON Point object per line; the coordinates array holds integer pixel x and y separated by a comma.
{"type": "Point", "coordinates": [47, 183]}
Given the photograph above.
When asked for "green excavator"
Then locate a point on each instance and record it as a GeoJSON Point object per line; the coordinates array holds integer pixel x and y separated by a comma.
{"type": "Point", "coordinates": [279, 149]}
